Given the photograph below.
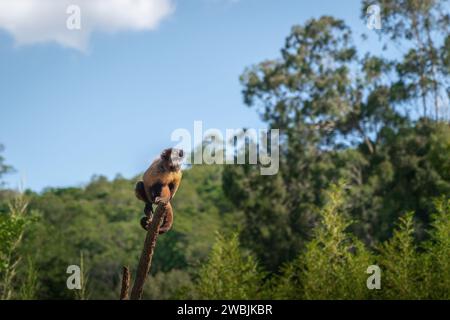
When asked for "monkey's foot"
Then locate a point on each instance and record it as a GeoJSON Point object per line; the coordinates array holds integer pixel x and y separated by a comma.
{"type": "Point", "coordinates": [145, 222]}
{"type": "Point", "coordinates": [164, 230]}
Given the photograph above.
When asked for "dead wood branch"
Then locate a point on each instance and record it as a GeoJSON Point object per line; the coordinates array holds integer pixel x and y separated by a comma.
{"type": "Point", "coordinates": [147, 252]}
{"type": "Point", "coordinates": [125, 284]}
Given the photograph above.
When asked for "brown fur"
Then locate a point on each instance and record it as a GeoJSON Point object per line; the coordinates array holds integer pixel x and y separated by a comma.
{"type": "Point", "coordinates": [160, 183]}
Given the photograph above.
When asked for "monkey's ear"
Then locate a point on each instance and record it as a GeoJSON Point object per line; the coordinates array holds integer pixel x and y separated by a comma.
{"type": "Point", "coordinates": [166, 154]}
{"type": "Point", "coordinates": [139, 190]}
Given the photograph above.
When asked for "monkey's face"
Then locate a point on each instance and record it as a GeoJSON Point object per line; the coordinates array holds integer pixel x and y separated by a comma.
{"type": "Point", "coordinates": [173, 158]}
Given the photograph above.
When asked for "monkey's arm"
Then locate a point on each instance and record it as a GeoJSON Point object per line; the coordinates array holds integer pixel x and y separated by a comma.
{"type": "Point", "coordinates": [139, 191]}
{"type": "Point", "coordinates": [174, 187]}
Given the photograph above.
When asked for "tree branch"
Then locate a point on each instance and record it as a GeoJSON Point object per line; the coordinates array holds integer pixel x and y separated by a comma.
{"type": "Point", "coordinates": [147, 252]}
{"type": "Point", "coordinates": [125, 284]}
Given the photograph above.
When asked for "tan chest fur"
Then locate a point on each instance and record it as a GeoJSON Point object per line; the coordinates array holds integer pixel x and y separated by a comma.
{"type": "Point", "coordinates": [154, 175]}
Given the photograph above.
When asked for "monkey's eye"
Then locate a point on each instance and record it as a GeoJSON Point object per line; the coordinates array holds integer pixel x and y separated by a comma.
{"type": "Point", "coordinates": [171, 185]}
{"type": "Point", "coordinates": [181, 153]}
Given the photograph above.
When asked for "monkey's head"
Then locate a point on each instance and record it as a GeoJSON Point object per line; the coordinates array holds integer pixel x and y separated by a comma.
{"type": "Point", "coordinates": [172, 159]}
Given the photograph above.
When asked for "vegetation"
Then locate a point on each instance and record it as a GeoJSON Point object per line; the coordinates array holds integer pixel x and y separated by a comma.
{"type": "Point", "coordinates": [12, 229]}
{"type": "Point", "coordinates": [349, 115]}
{"type": "Point", "coordinates": [380, 125]}
{"type": "Point", "coordinates": [334, 263]}
{"type": "Point", "coordinates": [229, 273]}
{"type": "Point", "coordinates": [101, 222]}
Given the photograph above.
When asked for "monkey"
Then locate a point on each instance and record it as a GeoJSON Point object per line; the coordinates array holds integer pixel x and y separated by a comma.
{"type": "Point", "coordinates": [159, 184]}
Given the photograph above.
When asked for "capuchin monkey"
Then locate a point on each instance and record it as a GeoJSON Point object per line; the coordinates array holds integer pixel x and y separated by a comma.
{"type": "Point", "coordinates": [159, 184]}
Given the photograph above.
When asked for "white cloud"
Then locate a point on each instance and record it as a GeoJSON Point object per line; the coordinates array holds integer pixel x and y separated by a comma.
{"type": "Point", "coordinates": [35, 21]}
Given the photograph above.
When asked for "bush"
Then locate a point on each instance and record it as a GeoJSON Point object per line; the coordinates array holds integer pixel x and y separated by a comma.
{"type": "Point", "coordinates": [12, 227]}
{"type": "Point", "coordinates": [229, 273]}
{"type": "Point", "coordinates": [418, 272]}
{"type": "Point", "coordinates": [334, 263]}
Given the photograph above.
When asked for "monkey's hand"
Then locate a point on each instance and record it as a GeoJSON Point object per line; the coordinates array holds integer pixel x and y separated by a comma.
{"type": "Point", "coordinates": [160, 200]}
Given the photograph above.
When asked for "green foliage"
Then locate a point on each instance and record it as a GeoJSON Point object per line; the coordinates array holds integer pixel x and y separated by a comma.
{"type": "Point", "coordinates": [342, 114]}
{"type": "Point", "coordinates": [102, 221]}
{"type": "Point", "coordinates": [12, 228]}
{"type": "Point", "coordinates": [438, 253]}
{"type": "Point", "coordinates": [409, 273]}
{"type": "Point", "coordinates": [346, 116]}
{"type": "Point", "coordinates": [269, 231]}
{"type": "Point", "coordinates": [83, 294]}
{"type": "Point", "coordinates": [399, 261]}
{"type": "Point", "coordinates": [406, 173]}
{"type": "Point", "coordinates": [30, 286]}
{"type": "Point", "coordinates": [173, 284]}
{"type": "Point", "coordinates": [417, 27]}
{"type": "Point", "coordinates": [229, 273]}
{"type": "Point", "coordinates": [334, 263]}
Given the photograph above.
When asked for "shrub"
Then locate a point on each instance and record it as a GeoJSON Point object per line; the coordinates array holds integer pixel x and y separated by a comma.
{"type": "Point", "coordinates": [334, 263]}
{"type": "Point", "coordinates": [229, 273]}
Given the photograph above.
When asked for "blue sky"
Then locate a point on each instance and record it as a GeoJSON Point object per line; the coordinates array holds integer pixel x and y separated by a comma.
{"type": "Point", "coordinates": [67, 114]}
